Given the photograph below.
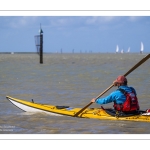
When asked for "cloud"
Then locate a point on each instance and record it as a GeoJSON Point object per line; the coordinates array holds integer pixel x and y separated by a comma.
{"type": "Point", "coordinates": [100, 19]}
{"type": "Point", "coordinates": [58, 21]}
{"type": "Point", "coordinates": [61, 22]}
{"type": "Point", "coordinates": [17, 22]}
{"type": "Point", "coordinates": [134, 18]}
{"type": "Point", "coordinates": [78, 21]}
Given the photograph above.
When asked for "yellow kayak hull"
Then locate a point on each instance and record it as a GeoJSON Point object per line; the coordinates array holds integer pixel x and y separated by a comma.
{"type": "Point", "coordinates": [93, 113]}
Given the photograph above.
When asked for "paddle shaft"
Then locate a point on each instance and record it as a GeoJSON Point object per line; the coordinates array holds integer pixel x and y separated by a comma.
{"type": "Point", "coordinates": [133, 68]}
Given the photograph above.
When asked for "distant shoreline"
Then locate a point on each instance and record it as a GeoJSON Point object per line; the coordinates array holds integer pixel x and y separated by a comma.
{"type": "Point", "coordinates": [68, 53]}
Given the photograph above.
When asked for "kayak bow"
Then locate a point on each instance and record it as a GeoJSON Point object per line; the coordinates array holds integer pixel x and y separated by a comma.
{"type": "Point", "coordinates": [93, 113]}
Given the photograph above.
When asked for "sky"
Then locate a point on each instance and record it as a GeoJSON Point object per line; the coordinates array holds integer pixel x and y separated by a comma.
{"type": "Point", "coordinates": [81, 34]}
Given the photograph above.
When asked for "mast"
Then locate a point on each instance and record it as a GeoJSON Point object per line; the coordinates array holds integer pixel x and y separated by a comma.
{"type": "Point", "coordinates": [41, 45]}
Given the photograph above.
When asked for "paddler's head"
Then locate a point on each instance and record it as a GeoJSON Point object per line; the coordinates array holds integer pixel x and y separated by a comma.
{"type": "Point", "coordinates": [121, 80]}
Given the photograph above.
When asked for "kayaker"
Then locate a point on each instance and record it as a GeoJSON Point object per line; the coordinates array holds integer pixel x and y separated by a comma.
{"type": "Point", "coordinates": [121, 97]}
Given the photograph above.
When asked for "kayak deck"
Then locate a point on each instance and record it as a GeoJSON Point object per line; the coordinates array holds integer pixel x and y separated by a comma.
{"type": "Point", "coordinates": [94, 113]}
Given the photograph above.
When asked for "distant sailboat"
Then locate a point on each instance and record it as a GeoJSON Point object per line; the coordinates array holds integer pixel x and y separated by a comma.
{"type": "Point", "coordinates": [122, 51]}
{"type": "Point", "coordinates": [117, 49]}
{"type": "Point", "coordinates": [128, 50]}
{"type": "Point", "coordinates": [142, 48]}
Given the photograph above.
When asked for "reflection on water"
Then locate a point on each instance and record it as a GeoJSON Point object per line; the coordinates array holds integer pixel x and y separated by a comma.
{"type": "Point", "coordinates": [67, 79]}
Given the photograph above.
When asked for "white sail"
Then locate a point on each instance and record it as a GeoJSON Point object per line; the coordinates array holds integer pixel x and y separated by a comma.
{"type": "Point", "coordinates": [122, 51]}
{"type": "Point", "coordinates": [142, 48]}
{"type": "Point", "coordinates": [117, 49]}
{"type": "Point", "coordinates": [128, 50]}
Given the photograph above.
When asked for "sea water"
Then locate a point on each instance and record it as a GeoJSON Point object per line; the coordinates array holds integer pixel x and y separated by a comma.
{"type": "Point", "coordinates": [71, 80]}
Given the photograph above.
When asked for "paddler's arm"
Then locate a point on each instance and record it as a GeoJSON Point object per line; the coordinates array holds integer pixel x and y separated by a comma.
{"type": "Point", "coordinates": [110, 98]}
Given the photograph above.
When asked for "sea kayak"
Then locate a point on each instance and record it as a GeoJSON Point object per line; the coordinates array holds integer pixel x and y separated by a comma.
{"type": "Point", "coordinates": [93, 113]}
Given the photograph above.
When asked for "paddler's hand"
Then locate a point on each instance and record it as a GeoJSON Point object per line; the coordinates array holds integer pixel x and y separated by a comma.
{"type": "Point", "coordinates": [93, 100]}
{"type": "Point", "coordinates": [115, 83]}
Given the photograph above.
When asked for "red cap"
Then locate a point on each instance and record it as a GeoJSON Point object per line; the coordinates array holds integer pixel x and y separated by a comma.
{"type": "Point", "coordinates": [120, 79]}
